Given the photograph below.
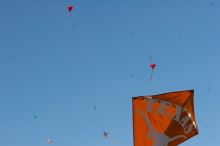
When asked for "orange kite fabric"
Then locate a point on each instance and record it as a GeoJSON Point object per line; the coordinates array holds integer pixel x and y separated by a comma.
{"type": "Point", "coordinates": [164, 120]}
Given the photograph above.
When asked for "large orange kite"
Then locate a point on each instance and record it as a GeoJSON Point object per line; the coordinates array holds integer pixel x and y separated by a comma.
{"type": "Point", "coordinates": [164, 120]}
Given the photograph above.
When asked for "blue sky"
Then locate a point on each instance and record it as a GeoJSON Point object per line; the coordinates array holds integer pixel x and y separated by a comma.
{"type": "Point", "coordinates": [58, 67]}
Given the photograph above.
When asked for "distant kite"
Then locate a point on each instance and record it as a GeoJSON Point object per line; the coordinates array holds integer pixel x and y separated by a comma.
{"type": "Point", "coordinates": [70, 8]}
{"type": "Point", "coordinates": [152, 66]}
{"type": "Point", "coordinates": [105, 134]}
{"type": "Point", "coordinates": [49, 141]}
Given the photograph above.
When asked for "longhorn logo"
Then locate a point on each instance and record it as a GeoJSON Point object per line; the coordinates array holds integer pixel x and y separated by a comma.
{"type": "Point", "coordinates": [159, 139]}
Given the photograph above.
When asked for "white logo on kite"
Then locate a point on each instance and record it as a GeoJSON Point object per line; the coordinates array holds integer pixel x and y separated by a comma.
{"type": "Point", "coordinates": [159, 139]}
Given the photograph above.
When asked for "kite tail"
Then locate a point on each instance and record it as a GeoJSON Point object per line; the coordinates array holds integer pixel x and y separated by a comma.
{"type": "Point", "coordinates": [71, 17]}
{"type": "Point", "coordinates": [151, 76]}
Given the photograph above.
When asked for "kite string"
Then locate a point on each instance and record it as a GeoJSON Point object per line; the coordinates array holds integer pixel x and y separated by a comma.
{"type": "Point", "coordinates": [150, 58]}
{"type": "Point", "coordinates": [71, 17]}
{"type": "Point", "coordinates": [151, 76]}
{"type": "Point", "coordinates": [152, 71]}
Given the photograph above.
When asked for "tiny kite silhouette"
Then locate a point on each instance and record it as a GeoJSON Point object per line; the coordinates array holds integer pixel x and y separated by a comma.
{"type": "Point", "coordinates": [70, 8]}
{"type": "Point", "coordinates": [49, 141]}
{"type": "Point", "coordinates": [105, 134]}
{"type": "Point", "coordinates": [152, 66]}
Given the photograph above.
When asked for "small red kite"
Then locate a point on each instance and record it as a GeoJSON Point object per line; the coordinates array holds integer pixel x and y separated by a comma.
{"type": "Point", "coordinates": [70, 8]}
{"type": "Point", "coordinates": [152, 66]}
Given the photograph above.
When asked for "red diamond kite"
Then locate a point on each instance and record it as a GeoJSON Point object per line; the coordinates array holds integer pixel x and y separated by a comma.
{"type": "Point", "coordinates": [152, 66]}
{"type": "Point", "coordinates": [70, 7]}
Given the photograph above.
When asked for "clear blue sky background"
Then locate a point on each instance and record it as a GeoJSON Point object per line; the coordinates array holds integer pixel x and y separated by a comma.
{"type": "Point", "coordinates": [58, 68]}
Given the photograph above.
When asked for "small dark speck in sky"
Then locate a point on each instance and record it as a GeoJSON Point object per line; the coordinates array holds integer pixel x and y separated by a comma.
{"type": "Point", "coordinates": [211, 4]}
{"type": "Point", "coordinates": [132, 34]}
{"type": "Point", "coordinates": [131, 75]}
